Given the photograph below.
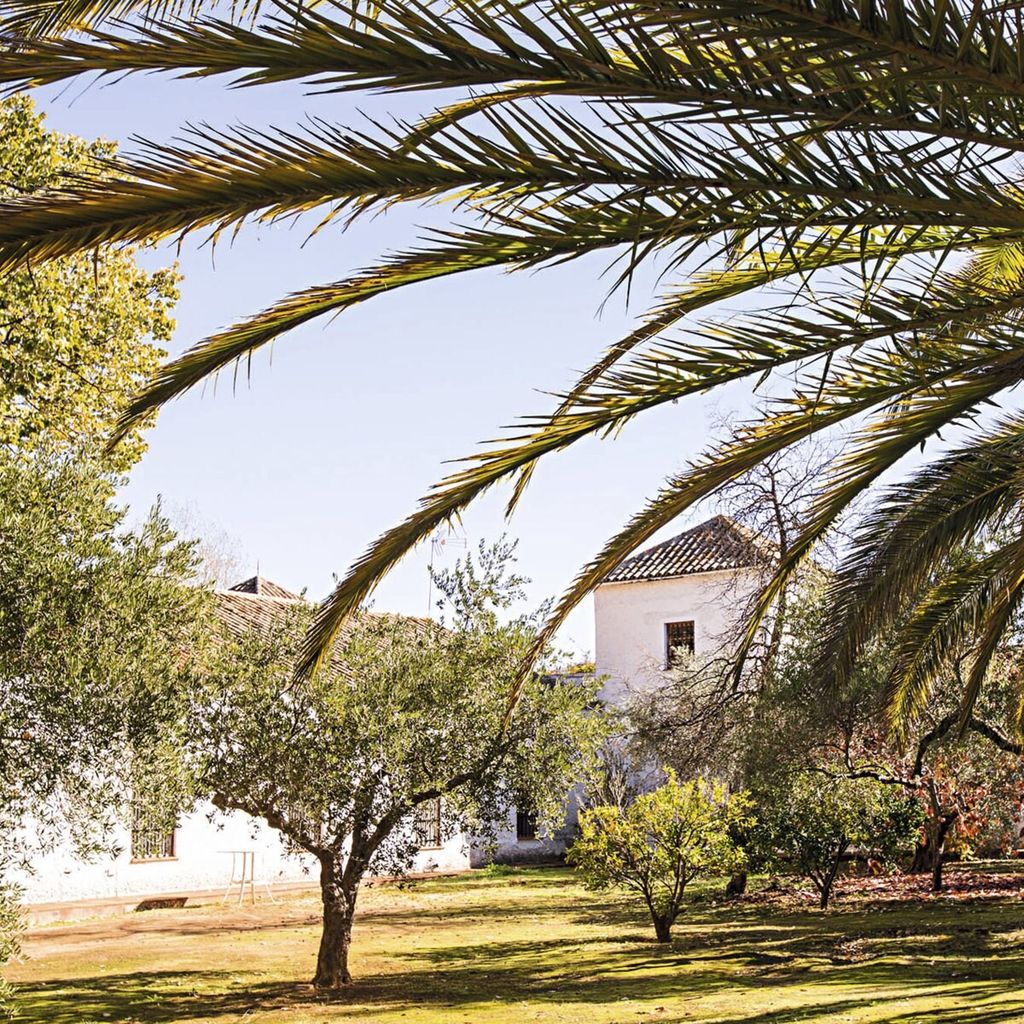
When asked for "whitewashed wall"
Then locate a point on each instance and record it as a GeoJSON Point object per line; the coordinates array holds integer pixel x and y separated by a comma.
{"type": "Point", "coordinates": [454, 855]}
{"type": "Point", "coordinates": [508, 848]}
{"type": "Point", "coordinates": [630, 618]}
{"type": "Point", "coordinates": [201, 862]}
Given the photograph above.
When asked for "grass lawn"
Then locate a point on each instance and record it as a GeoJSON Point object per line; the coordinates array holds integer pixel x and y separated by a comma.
{"type": "Point", "coordinates": [535, 947]}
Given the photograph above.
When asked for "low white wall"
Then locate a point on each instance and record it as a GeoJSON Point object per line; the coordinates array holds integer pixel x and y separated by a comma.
{"type": "Point", "coordinates": [201, 861]}
{"type": "Point", "coordinates": [454, 855]}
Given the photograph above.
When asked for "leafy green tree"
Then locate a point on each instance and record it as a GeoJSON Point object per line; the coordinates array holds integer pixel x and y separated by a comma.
{"type": "Point", "coordinates": [660, 843]}
{"type": "Point", "coordinates": [407, 715]}
{"type": "Point", "coordinates": [96, 625]}
{"type": "Point", "coordinates": [97, 635]}
{"type": "Point", "coordinates": [871, 149]}
{"type": "Point", "coordinates": [78, 335]}
{"type": "Point", "coordinates": [10, 946]}
{"type": "Point", "coordinates": [812, 820]}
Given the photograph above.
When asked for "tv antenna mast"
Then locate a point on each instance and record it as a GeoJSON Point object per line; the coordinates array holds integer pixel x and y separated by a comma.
{"type": "Point", "coordinates": [444, 539]}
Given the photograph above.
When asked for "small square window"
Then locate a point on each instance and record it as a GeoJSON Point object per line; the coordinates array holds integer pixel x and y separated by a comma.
{"type": "Point", "coordinates": [427, 824]}
{"type": "Point", "coordinates": [526, 825]}
{"type": "Point", "coordinates": [152, 839]}
{"type": "Point", "coordinates": [678, 639]}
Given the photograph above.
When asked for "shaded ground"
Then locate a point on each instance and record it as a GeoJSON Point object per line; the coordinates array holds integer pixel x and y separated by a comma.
{"type": "Point", "coordinates": [534, 947]}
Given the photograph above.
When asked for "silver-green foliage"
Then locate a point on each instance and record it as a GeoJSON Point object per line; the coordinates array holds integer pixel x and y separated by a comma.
{"type": "Point", "coordinates": [97, 625]}
{"type": "Point", "coordinates": [406, 712]}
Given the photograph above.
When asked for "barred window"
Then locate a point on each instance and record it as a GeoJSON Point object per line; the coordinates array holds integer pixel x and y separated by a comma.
{"type": "Point", "coordinates": [152, 839]}
{"type": "Point", "coordinates": [678, 638]}
{"type": "Point", "coordinates": [526, 824]}
{"type": "Point", "coordinates": [427, 824]}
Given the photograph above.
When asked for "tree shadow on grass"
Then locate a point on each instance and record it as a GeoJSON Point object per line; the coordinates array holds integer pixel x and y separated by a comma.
{"type": "Point", "coordinates": [197, 921]}
{"type": "Point", "coordinates": [854, 959]}
{"type": "Point", "coordinates": [556, 971]}
{"type": "Point", "coordinates": [828, 1012]}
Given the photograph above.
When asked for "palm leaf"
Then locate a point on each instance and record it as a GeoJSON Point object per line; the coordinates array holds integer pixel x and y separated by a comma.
{"type": "Point", "coordinates": [669, 372]}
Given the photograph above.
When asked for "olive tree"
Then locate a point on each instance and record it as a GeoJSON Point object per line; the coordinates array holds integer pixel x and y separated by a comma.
{"type": "Point", "coordinates": [96, 620]}
{"type": "Point", "coordinates": [408, 712]}
{"type": "Point", "coordinates": [96, 626]}
{"type": "Point", "coordinates": [661, 842]}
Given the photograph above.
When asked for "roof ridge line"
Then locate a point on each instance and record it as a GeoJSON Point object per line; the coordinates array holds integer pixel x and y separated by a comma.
{"type": "Point", "coordinates": [231, 592]}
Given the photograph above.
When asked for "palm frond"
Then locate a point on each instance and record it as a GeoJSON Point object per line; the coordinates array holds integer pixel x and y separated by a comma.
{"type": "Point", "coordinates": [776, 140]}
{"type": "Point", "coordinates": [941, 624]}
{"type": "Point", "coordinates": [470, 250]}
{"type": "Point", "coordinates": [914, 527]}
{"type": "Point", "coordinates": [829, 249]}
{"type": "Point", "coordinates": [1004, 603]}
{"type": "Point", "coordinates": [539, 162]}
{"type": "Point", "coordinates": [752, 72]}
{"type": "Point", "coordinates": [755, 348]}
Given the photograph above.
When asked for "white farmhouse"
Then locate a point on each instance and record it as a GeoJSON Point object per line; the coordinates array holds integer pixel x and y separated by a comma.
{"type": "Point", "coordinates": [207, 847]}
{"type": "Point", "coordinates": [686, 593]}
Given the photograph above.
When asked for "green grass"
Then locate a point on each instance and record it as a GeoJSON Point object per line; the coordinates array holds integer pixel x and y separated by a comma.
{"type": "Point", "coordinates": [533, 946]}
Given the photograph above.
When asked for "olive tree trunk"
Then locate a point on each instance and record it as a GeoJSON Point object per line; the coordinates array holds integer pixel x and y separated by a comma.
{"type": "Point", "coordinates": [828, 878]}
{"type": "Point", "coordinates": [338, 891]}
{"type": "Point", "coordinates": [662, 927]}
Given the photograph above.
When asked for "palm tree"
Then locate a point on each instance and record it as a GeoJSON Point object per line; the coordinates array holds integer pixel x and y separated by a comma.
{"type": "Point", "coordinates": [869, 147]}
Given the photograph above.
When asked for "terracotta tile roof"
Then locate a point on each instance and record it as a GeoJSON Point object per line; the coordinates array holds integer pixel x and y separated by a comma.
{"type": "Point", "coordinates": [241, 609]}
{"type": "Point", "coordinates": [719, 543]}
{"type": "Point", "coordinates": [265, 588]}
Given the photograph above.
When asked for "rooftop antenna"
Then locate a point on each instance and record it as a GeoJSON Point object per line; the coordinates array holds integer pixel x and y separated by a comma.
{"type": "Point", "coordinates": [443, 540]}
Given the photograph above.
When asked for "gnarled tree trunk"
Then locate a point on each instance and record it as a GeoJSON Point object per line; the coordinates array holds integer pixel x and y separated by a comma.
{"type": "Point", "coordinates": [930, 856]}
{"type": "Point", "coordinates": [338, 891]}
{"type": "Point", "coordinates": [737, 885]}
{"type": "Point", "coordinates": [662, 927]}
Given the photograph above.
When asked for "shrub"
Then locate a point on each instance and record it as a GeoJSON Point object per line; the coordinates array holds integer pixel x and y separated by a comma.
{"type": "Point", "coordinates": [811, 821]}
{"type": "Point", "coordinates": [658, 844]}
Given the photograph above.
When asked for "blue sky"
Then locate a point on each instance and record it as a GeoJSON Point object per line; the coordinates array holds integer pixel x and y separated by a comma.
{"type": "Point", "coordinates": [346, 423]}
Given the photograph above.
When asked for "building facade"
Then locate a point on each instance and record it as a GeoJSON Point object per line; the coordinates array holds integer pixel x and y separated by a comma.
{"type": "Point", "coordinates": [685, 594]}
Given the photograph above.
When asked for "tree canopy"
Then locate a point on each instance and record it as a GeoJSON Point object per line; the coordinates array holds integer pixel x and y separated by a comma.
{"type": "Point", "coordinates": [406, 714]}
{"type": "Point", "coordinates": [78, 335]}
{"type": "Point", "coordinates": [658, 844]}
{"type": "Point", "coordinates": [97, 634]}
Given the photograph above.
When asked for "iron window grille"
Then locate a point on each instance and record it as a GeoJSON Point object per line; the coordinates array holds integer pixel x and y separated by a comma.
{"type": "Point", "coordinates": [427, 824]}
{"type": "Point", "coordinates": [678, 637]}
{"type": "Point", "coordinates": [151, 837]}
{"type": "Point", "coordinates": [526, 825]}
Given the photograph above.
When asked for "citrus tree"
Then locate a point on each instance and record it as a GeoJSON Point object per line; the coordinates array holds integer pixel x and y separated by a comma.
{"type": "Point", "coordinates": [657, 845]}
{"type": "Point", "coordinates": [870, 148]}
{"type": "Point", "coordinates": [812, 821]}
